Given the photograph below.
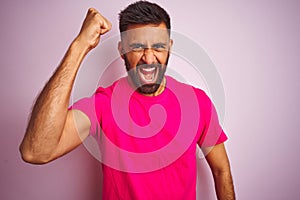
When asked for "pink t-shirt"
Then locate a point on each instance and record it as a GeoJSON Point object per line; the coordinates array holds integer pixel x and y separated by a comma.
{"type": "Point", "coordinates": [148, 144]}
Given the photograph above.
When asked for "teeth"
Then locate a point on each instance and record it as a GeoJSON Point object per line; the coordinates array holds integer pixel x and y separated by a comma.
{"type": "Point", "coordinates": [148, 77]}
{"type": "Point", "coordinates": [148, 69]}
{"type": "Point", "coordinates": [147, 74]}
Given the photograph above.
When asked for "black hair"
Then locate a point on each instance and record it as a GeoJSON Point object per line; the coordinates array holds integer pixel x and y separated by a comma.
{"type": "Point", "coordinates": [143, 12]}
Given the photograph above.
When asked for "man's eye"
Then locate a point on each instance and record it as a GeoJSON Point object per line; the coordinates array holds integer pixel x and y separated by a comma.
{"type": "Point", "coordinates": [159, 47]}
{"type": "Point", "coordinates": [137, 47]}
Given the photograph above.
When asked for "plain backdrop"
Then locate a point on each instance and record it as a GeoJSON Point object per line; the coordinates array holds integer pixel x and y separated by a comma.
{"type": "Point", "coordinates": [254, 45]}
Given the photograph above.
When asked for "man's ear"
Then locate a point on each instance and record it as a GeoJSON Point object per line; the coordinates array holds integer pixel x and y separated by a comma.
{"type": "Point", "coordinates": [170, 44]}
{"type": "Point", "coordinates": [121, 50]}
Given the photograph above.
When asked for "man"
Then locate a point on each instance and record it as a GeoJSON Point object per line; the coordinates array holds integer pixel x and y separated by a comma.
{"type": "Point", "coordinates": [125, 115]}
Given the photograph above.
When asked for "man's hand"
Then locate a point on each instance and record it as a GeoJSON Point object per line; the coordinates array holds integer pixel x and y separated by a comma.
{"type": "Point", "coordinates": [92, 28]}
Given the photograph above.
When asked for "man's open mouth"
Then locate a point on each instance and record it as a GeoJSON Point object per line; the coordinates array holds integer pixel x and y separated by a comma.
{"type": "Point", "coordinates": [148, 75]}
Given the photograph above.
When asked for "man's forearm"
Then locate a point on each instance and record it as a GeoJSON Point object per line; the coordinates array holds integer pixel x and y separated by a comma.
{"type": "Point", "coordinates": [224, 186]}
{"type": "Point", "coordinates": [50, 110]}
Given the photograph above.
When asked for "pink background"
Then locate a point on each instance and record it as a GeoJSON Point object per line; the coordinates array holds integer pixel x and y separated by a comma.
{"type": "Point", "coordinates": [254, 45]}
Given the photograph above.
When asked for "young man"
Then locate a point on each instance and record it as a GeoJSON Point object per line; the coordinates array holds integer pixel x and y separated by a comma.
{"type": "Point", "coordinates": [147, 124]}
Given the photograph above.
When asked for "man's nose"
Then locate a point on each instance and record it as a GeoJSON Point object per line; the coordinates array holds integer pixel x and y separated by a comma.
{"type": "Point", "coordinates": [149, 56]}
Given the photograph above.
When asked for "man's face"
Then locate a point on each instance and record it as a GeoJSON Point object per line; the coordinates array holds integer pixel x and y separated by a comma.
{"type": "Point", "coordinates": [145, 50]}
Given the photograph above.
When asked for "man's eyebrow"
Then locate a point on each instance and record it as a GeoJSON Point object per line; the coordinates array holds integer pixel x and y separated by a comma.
{"type": "Point", "coordinates": [141, 44]}
{"type": "Point", "coordinates": [159, 43]}
{"type": "Point", "coordinates": [136, 44]}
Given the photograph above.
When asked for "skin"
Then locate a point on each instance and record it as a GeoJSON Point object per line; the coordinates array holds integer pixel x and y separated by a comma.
{"type": "Point", "coordinates": [53, 130]}
{"type": "Point", "coordinates": [151, 44]}
{"type": "Point", "coordinates": [218, 162]}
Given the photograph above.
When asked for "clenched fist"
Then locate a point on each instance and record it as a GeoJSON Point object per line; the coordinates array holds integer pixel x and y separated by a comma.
{"type": "Point", "coordinates": [93, 27]}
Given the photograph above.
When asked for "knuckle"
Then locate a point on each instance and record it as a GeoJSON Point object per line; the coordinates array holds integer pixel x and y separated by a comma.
{"type": "Point", "coordinates": [98, 16]}
{"type": "Point", "coordinates": [91, 9]}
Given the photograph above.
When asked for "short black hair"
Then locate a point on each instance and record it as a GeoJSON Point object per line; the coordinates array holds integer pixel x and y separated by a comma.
{"type": "Point", "coordinates": [143, 12]}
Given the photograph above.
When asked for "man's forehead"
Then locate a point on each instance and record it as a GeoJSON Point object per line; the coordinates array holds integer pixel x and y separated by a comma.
{"type": "Point", "coordinates": [143, 33]}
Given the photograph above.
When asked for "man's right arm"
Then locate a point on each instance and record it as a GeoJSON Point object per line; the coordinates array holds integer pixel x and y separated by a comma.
{"type": "Point", "coordinates": [53, 130]}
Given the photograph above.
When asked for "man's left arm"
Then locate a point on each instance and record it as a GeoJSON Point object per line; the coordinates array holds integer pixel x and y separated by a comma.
{"type": "Point", "coordinates": [219, 164]}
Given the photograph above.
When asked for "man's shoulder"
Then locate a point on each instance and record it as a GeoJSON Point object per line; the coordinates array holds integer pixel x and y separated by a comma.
{"type": "Point", "coordinates": [177, 84]}
{"type": "Point", "coordinates": [109, 89]}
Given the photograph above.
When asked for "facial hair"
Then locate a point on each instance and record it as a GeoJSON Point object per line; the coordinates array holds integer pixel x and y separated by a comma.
{"type": "Point", "coordinates": [134, 76]}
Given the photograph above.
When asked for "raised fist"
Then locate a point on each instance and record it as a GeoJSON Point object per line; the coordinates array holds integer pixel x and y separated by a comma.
{"type": "Point", "coordinates": [93, 27]}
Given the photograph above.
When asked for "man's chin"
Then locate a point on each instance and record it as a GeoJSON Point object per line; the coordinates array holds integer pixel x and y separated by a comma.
{"type": "Point", "coordinates": [144, 88]}
{"type": "Point", "coordinates": [148, 88]}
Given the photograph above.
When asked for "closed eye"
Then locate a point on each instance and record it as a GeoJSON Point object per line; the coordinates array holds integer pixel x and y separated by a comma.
{"type": "Point", "coordinates": [137, 47]}
{"type": "Point", "coordinates": [159, 47]}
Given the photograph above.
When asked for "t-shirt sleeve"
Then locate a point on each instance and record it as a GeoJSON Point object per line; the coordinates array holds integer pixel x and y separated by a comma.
{"type": "Point", "coordinates": [212, 133]}
{"type": "Point", "coordinates": [89, 107]}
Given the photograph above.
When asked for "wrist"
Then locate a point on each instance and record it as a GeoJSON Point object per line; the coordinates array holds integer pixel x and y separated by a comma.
{"type": "Point", "coordinates": [80, 45]}
{"type": "Point", "coordinates": [75, 54]}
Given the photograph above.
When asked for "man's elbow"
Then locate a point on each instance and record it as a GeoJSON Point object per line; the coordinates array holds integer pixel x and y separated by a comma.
{"type": "Point", "coordinates": [222, 172]}
{"type": "Point", "coordinates": [29, 157]}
